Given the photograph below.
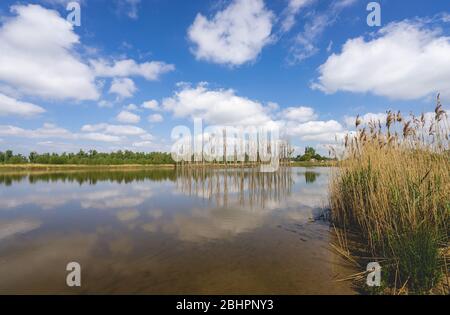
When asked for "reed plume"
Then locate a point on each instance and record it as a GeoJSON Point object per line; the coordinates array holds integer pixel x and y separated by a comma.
{"type": "Point", "coordinates": [392, 187]}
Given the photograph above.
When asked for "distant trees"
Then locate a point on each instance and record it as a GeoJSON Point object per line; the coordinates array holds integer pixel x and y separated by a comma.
{"type": "Point", "coordinates": [9, 157]}
{"type": "Point", "coordinates": [310, 154]}
{"type": "Point", "coordinates": [92, 157]}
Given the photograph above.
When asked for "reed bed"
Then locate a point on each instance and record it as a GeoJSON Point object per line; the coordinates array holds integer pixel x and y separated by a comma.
{"type": "Point", "coordinates": [392, 187]}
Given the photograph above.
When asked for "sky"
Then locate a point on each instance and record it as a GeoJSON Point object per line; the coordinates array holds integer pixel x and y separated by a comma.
{"type": "Point", "coordinates": [132, 70]}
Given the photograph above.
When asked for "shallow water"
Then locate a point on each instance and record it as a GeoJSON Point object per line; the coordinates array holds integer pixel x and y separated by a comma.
{"type": "Point", "coordinates": [169, 232]}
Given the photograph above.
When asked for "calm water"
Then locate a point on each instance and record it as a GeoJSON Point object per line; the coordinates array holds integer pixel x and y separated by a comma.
{"type": "Point", "coordinates": [168, 231]}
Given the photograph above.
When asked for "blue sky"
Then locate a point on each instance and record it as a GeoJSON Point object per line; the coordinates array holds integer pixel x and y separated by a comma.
{"type": "Point", "coordinates": [135, 69]}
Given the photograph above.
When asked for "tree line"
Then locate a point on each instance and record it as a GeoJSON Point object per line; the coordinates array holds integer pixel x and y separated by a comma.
{"type": "Point", "coordinates": [91, 157]}
{"type": "Point", "coordinates": [310, 155]}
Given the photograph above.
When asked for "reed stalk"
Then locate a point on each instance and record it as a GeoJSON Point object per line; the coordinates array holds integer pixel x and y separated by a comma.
{"type": "Point", "coordinates": [392, 187]}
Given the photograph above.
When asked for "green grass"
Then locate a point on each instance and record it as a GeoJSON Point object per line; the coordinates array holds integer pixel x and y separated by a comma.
{"type": "Point", "coordinates": [313, 164]}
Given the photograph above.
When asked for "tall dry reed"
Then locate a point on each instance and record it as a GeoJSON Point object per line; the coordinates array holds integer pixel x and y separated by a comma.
{"type": "Point", "coordinates": [392, 187]}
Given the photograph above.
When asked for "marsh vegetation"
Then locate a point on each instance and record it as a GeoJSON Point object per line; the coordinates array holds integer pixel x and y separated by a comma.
{"type": "Point", "coordinates": [392, 188]}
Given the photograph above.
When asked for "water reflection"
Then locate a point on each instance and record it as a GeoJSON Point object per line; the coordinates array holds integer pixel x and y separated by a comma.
{"type": "Point", "coordinates": [311, 177]}
{"type": "Point", "coordinates": [168, 231]}
{"type": "Point", "coordinates": [247, 186]}
{"type": "Point", "coordinates": [89, 177]}
{"type": "Point", "coordinates": [194, 204]}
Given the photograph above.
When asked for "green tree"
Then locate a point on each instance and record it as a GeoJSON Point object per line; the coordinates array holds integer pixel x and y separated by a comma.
{"type": "Point", "coordinates": [32, 157]}
{"type": "Point", "coordinates": [8, 155]}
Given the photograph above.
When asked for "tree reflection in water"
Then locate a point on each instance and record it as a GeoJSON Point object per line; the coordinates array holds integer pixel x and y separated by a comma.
{"type": "Point", "coordinates": [311, 177]}
{"type": "Point", "coordinates": [249, 186]}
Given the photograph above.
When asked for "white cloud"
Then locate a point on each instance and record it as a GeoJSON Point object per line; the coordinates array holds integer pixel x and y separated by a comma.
{"type": "Point", "coordinates": [118, 130]}
{"type": "Point", "coordinates": [405, 61]}
{"type": "Point", "coordinates": [233, 36]}
{"type": "Point", "coordinates": [10, 106]}
{"type": "Point", "coordinates": [155, 118]}
{"type": "Point", "coordinates": [143, 144]}
{"type": "Point", "coordinates": [330, 46]}
{"type": "Point", "coordinates": [61, 2]}
{"type": "Point", "coordinates": [305, 43]}
{"type": "Point", "coordinates": [224, 107]}
{"type": "Point", "coordinates": [124, 88]}
{"type": "Point", "coordinates": [299, 114]}
{"type": "Point", "coordinates": [322, 131]}
{"type": "Point", "coordinates": [130, 7]}
{"type": "Point", "coordinates": [301, 123]}
{"type": "Point", "coordinates": [131, 107]}
{"type": "Point", "coordinates": [37, 56]}
{"type": "Point", "coordinates": [105, 104]}
{"type": "Point", "coordinates": [152, 104]}
{"type": "Point", "coordinates": [325, 137]}
{"type": "Point", "coordinates": [445, 17]}
{"type": "Point", "coordinates": [216, 106]}
{"type": "Point", "coordinates": [291, 11]}
{"type": "Point", "coordinates": [100, 137]}
{"type": "Point", "coordinates": [128, 117]}
{"type": "Point", "coordinates": [46, 131]}
{"type": "Point", "coordinates": [133, 11]}
{"type": "Point", "coordinates": [272, 106]}
{"type": "Point", "coordinates": [128, 67]}
{"type": "Point", "coordinates": [51, 131]}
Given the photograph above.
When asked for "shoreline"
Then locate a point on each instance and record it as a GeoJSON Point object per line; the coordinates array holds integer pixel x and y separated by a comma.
{"type": "Point", "coordinates": [7, 168]}
{"type": "Point", "coordinates": [80, 167]}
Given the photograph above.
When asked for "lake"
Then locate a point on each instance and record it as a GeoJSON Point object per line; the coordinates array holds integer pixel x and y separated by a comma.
{"type": "Point", "coordinates": [190, 231]}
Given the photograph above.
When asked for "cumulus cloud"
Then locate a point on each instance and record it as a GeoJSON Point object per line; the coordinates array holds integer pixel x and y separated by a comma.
{"type": "Point", "coordinates": [105, 104]}
{"type": "Point", "coordinates": [152, 105]}
{"type": "Point", "coordinates": [233, 36]}
{"type": "Point", "coordinates": [127, 67]}
{"type": "Point", "coordinates": [155, 118]}
{"type": "Point", "coordinates": [103, 137]}
{"type": "Point", "coordinates": [322, 131]}
{"type": "Point", "coordinates": [128, 117]}
{"type": "Point", "coordinates": [46, 131]}
{"type": "Point", "coordinates": [123, 87]}
{"type": "Point", "coordinates": [11, 106]}
{"type": "Point", "coordinates": [143, 144]}
{"type": "Point", "coordinates": [224, 107]}
{"type": "Point", "coordinates": [99, 137]}
{"type": "Point", "coordinates": [131, 107]}
{"type": "Point", "coordinates": [37, 56]}
{"type": "Point", "coordinates": [118, 130]}
{"type": "Point", "coordinates": [299, 114]}
{"type": "Point", "coordinates": [51, 131]}
{"type": "Point", "coordinates": [215, 106]}
{"type": "Point", "coordinates": [405, 61]}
